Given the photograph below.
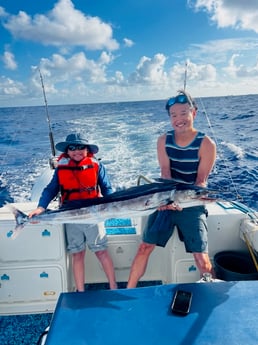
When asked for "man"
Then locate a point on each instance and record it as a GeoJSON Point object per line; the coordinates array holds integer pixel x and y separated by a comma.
{"type": "Point", "coordinates": [187, 156]}
{"type": "Point", "coordinates": [80, 176]}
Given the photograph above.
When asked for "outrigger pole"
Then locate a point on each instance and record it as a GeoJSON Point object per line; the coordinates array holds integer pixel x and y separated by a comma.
{"type": "Point", "coordinates": [185, 79]}
{"type": "Point", "coordinates": [51, 137]}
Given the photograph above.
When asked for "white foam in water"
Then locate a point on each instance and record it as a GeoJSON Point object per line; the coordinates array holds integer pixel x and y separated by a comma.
{"type": "Point", "coordinates": [238, 151]}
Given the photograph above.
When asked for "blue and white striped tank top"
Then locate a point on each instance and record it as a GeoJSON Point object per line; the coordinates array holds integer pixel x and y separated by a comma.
{"type": "Point", "coordinates": [184, 161]}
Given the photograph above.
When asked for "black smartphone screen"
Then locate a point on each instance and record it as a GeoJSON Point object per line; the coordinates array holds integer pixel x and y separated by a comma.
{"type": "Point", "coordinates": [181, 302]}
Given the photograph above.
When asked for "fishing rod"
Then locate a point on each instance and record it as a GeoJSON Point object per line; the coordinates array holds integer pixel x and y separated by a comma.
{"type": "Point", "coordinates": [51, 137]}
{"type": "Point", "coordinates": [185, 78]}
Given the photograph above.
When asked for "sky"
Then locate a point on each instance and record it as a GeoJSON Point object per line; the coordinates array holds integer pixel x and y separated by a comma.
{"type": "Point", "coordinates": [99, 51]}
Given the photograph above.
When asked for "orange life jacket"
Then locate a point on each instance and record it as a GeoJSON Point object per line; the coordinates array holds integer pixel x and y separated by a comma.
{"type": "Point", "coordinates": [78, 180]}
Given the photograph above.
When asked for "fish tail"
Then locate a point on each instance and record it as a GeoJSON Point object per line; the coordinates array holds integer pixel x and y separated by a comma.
{"type": "Point", "coordinates": [14, 233]}
{"type": "Point", "coordinates": [21, 219]}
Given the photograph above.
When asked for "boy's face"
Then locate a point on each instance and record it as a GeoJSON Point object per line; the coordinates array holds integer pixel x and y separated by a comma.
{"type": "Point", "coordinates": [182, 117]}
{"type": "Point", "coordinates": [77, 155]}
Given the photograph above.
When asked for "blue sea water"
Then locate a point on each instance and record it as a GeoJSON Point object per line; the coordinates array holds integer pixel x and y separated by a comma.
{"type": "Point", "coordinates": [126, 134]}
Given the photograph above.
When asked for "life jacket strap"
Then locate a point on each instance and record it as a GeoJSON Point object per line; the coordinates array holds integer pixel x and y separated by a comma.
{"type": "Point", "coordinates": [79, 168]}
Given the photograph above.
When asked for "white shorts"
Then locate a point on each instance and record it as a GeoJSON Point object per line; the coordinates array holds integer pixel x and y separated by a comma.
{"type": "Point", "coordinates": [80, 235]}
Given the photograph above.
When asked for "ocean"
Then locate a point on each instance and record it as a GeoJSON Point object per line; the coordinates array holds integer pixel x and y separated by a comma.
{"type": "Point", "coordinates": [126, 133]}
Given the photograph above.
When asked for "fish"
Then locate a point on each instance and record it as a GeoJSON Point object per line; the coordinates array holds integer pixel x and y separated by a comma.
{"type": "Point", "coordinates": [136, 201]}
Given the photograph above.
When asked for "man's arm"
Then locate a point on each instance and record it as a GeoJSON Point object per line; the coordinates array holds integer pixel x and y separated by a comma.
{"type": "Point", "coordinates": [207, 155]}
{"type": "Point", "coordinates": [165, 170]}
{"type": "Point", "coordinates": [163, 157]}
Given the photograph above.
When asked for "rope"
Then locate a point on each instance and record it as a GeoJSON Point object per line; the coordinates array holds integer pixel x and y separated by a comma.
{"type": "Point", "coordinates": [251, 251]}
{"type": "Point", "coordinates": [142, 177]}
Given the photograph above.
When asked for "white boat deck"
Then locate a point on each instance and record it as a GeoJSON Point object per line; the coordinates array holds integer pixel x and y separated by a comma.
{"type": "Point", "coordinates": [35, 269]}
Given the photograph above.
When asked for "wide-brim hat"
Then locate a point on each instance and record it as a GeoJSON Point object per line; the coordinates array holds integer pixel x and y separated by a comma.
{"type": "Point", "coordinates": [76, 139]}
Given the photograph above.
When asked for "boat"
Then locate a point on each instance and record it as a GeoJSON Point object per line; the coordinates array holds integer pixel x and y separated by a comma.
{"type": "Point", "coordinates": [36, 270]}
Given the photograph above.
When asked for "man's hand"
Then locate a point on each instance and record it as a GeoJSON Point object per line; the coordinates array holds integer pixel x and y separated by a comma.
{"type": "Point", "coordinates": [171, 207]}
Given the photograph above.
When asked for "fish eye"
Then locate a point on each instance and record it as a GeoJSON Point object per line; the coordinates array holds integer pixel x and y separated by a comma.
{"type": "Point", "coordinates": [147, 203]}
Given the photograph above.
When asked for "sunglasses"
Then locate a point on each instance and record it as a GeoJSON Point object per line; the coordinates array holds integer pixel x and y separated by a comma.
{"type": "Point", "coordinates": [76, 147]}
{"type": "Point", "coordinates": [182, 99]}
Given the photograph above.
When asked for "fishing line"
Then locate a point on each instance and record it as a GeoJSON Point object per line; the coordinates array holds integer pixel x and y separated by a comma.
{"type": "Point", "coordinates": [214, 137]}
{"type": "Point", "coordinates": [220, 150]}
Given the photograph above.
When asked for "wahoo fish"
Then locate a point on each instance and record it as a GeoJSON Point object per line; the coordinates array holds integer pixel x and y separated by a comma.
{"type": "Point", "coordinates": [132, 202]}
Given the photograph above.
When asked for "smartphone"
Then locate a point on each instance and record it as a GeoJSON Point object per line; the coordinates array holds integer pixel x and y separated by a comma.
{"type": "Point", "coordinates": [181, 302]}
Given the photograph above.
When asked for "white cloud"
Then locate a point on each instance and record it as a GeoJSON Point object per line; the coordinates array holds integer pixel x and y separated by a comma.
{"type": "Point", "coordinates": [238, 14]}
{"type": "Point", "coordinates": [218, 52]}
{"type": "Point", "coordinates": [233, 44]}
{"type": "Point", "coordinates": [105, 58]}
{"type": "Point", "coordinates": [119, 77]}
{"type": "Point", "coordinates": [9, 60]}
{"type": "Point", "coordinates": [150, 70]}
{"type": "Point", "coordinates": [84, 76]}
{"type": "Point", "coordinates": [10, 87]}
{"type": "Point", "coordinates": [241, 71]}
{"type": "Point", "coordinates": [195, 72]}
{"type": "Point", "coordinates": [71, 72]}
{"type": "Point", "coordinates": [3, 12]}
{"type": "Point", "coordinates": [63, 26]}
{"type": "Point", "coordinates": [128, 43]}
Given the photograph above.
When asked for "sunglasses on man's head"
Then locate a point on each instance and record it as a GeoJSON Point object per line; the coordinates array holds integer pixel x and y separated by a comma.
{"type": "Point", "coordinates": [76, 147]}
{"type": "Point", "coordinates": [182, 99]}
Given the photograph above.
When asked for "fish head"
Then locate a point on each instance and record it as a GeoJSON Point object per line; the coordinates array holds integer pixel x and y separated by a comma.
{"type": "Point", "coordinates": [159, 199]}
{"type": "Point", "coordinates": [189, 195]}
{"type": "Point", "coordinates": [185, 195]}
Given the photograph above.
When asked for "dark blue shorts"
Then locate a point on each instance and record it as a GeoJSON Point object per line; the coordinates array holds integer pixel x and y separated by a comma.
{"type": "Point", "coordinates": [190, 222]}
